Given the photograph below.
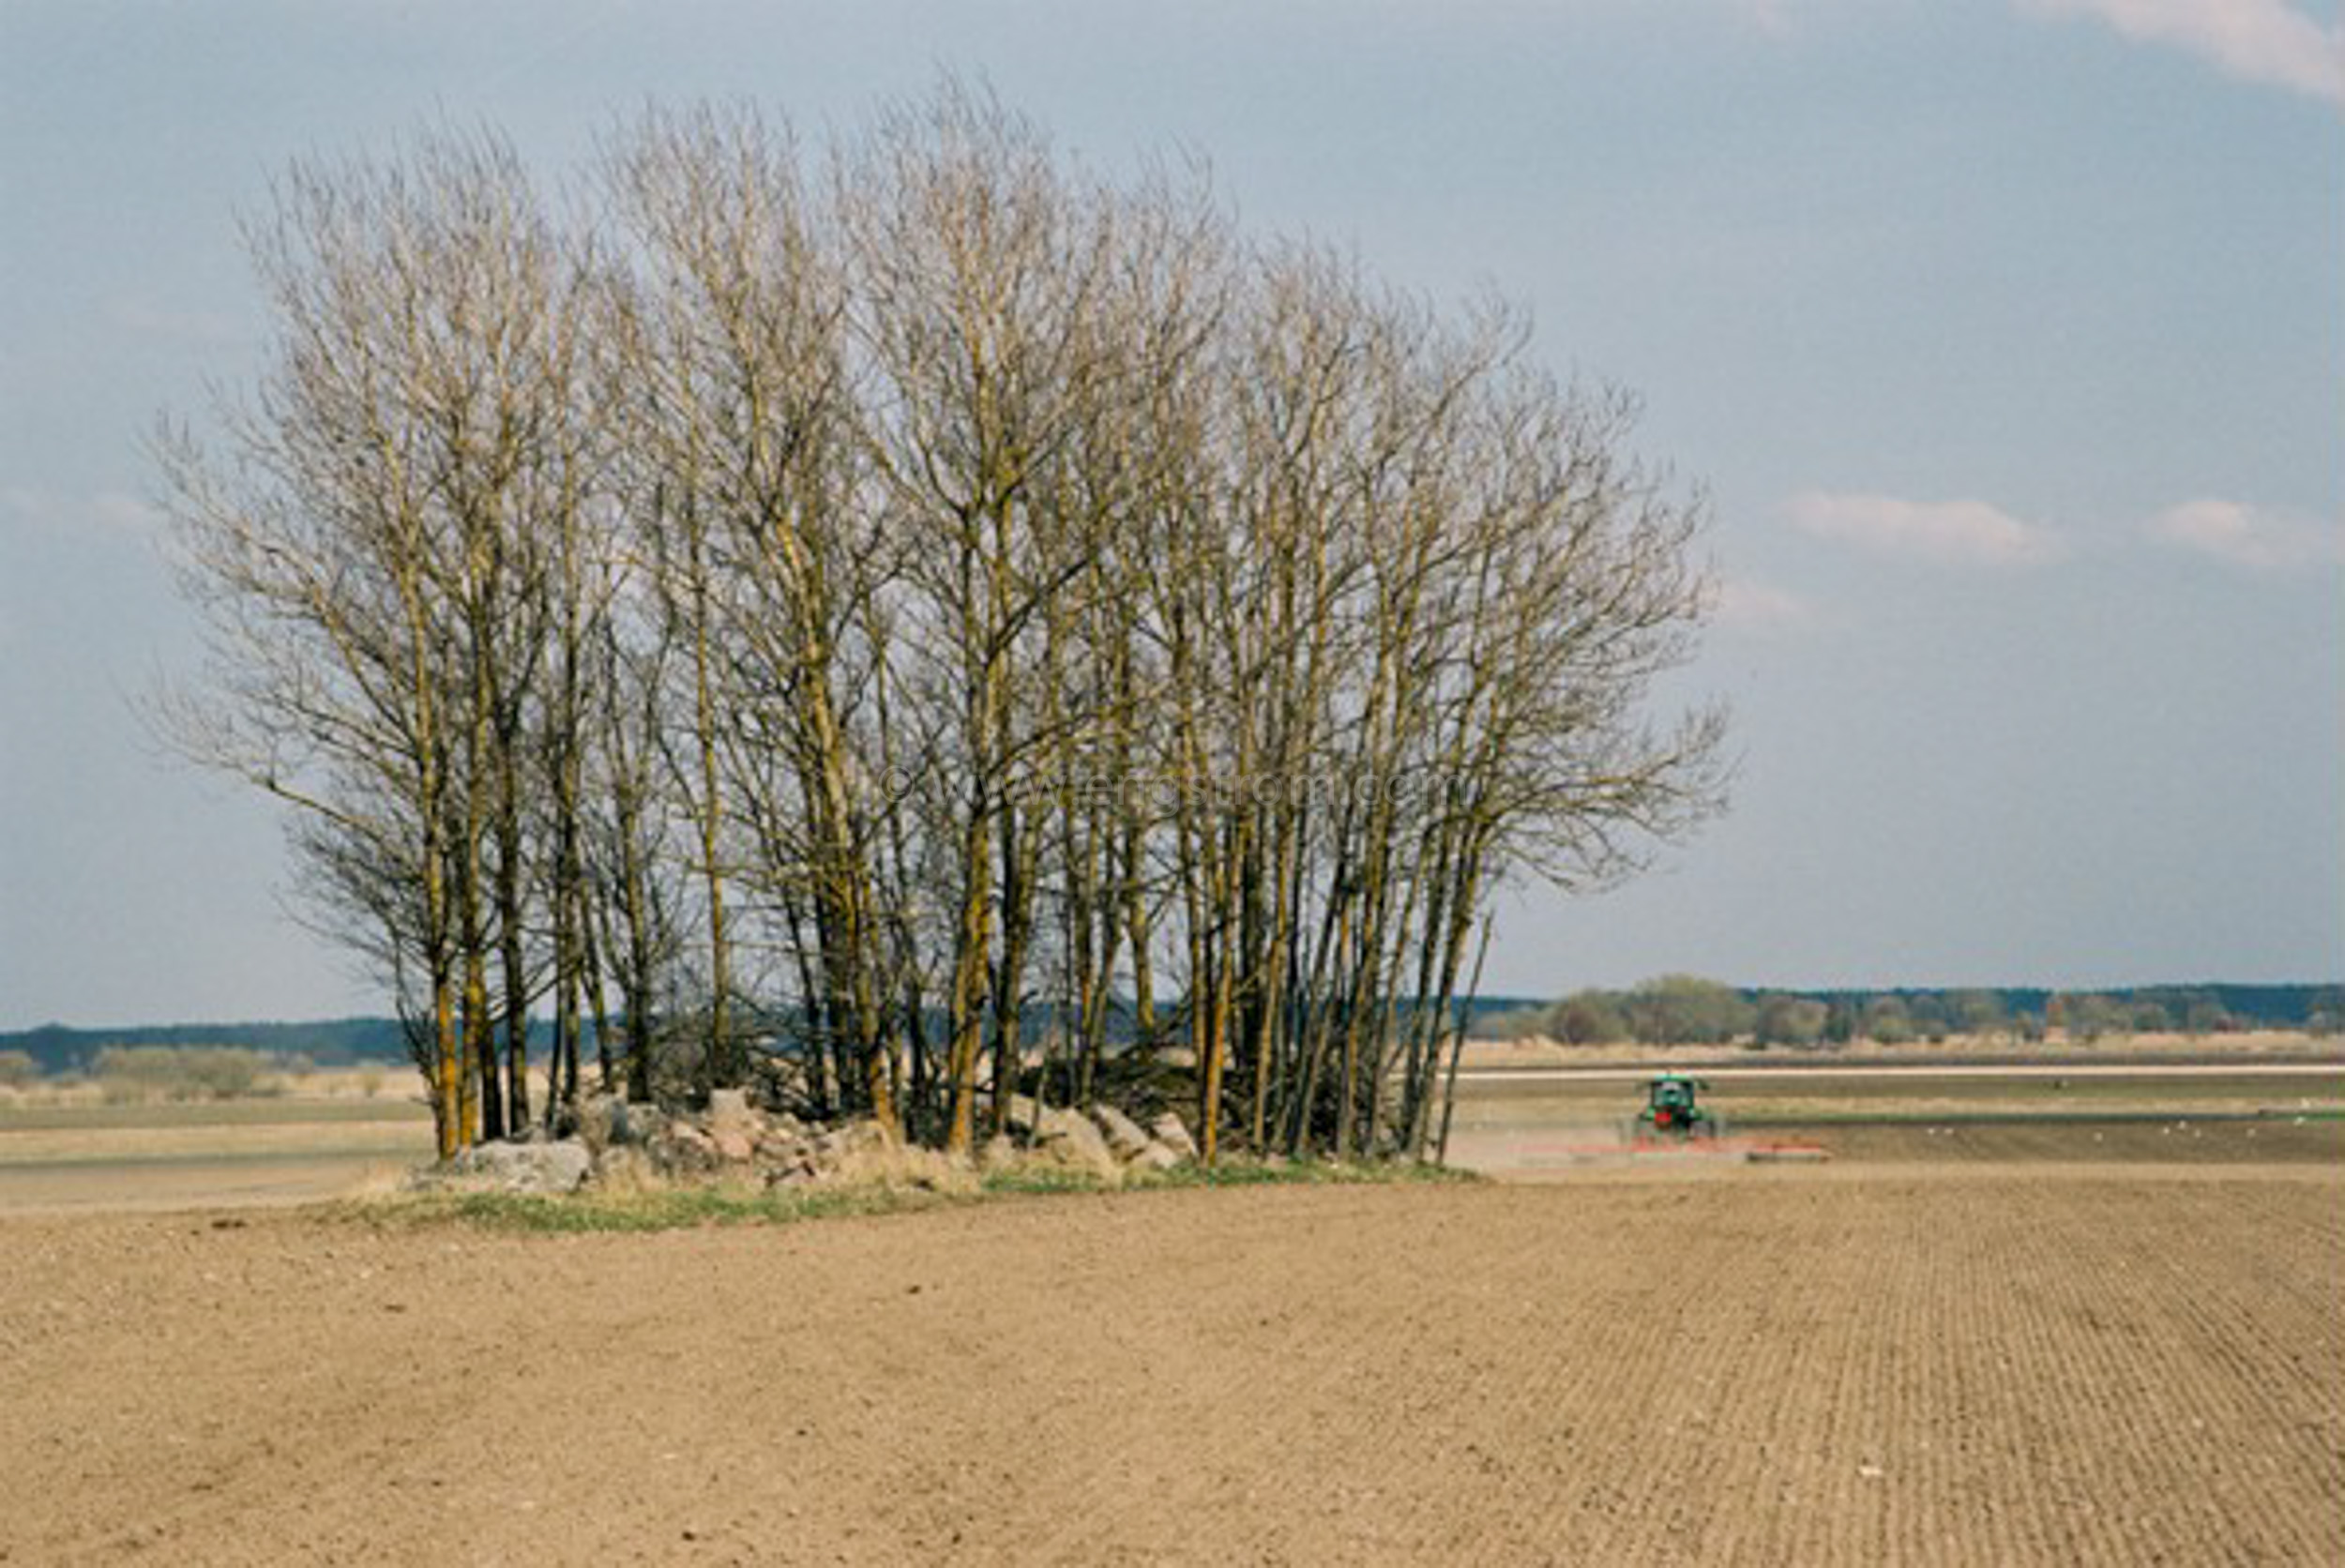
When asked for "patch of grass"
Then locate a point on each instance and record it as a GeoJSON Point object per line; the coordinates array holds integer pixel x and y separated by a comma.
{"type": "Point", "coordinates": [687, 1206]}
{"type": "Point", "coordinates": [667, 1209]}
{"type": "Point", "coordinates": [1042, 1181]}
{"type": "Point", "coordinates": [1038, 1181]}
{"type": "Point", "coordinates": [1307, 1173]}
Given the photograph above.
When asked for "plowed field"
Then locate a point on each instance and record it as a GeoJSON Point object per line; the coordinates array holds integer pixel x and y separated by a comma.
{"type": "Point", "coordinates": [1960, 1362]}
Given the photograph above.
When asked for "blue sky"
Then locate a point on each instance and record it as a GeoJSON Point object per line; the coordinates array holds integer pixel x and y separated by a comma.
{"type": "Point", "coordinates": [2007, 337]}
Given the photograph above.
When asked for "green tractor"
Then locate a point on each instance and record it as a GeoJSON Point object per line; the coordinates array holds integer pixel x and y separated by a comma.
{"type": "Point", "coordinates": [1673, 1110]}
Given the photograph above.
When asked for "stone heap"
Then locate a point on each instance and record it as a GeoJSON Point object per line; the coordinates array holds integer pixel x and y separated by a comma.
{"type": "Point", "coordinates": [622, 1147]}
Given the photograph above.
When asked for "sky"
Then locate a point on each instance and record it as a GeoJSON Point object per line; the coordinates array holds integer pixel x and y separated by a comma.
{"type": "Point", "coordinates": [2005, 338]}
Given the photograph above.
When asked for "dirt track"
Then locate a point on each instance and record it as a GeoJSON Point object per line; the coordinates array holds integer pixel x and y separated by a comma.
{"type": "Point", "coordinates": [1955, 1364]}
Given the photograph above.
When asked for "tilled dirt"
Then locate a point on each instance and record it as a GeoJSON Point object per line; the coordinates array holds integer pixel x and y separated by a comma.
{"type": "Point", "coordinates": [1948, 1365]}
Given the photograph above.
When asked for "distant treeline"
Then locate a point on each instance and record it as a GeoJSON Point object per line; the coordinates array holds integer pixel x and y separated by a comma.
{"type": "Point", "coordinates": [1674, 1009]}
{"type": "Point", "coordinates": [1688, 1010]}
{"type": "Point", "coordinates": [335, 1043]}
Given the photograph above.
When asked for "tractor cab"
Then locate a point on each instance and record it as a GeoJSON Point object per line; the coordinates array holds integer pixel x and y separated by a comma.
{"type": "Point", "coordinates": [1673, 1107]}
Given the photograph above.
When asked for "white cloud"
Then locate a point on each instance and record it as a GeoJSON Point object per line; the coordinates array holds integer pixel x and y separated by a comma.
{"type": "Point", "coordinates": [2268, 41]}
{"type": "Point", "coordinates": [143, 317]}
{"type": "Point", "coordinates": [1745, 604]}
{"type": "Point", "coordinates": [1944, 533]}
{"type": "Point", "coordinates": [105, 512]}
{"type": "Point", "coordinates": [2240, 536]}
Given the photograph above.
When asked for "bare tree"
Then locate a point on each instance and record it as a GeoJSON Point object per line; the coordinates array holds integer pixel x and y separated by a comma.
{"type": "Point", "coordinates": [349, 546]}
{"type": "Point", "coordinates": [979, 264]}
{"type": "Point", "coordinates": [747, 419]}
{"type": "Point", "coordinates": [870, 615]}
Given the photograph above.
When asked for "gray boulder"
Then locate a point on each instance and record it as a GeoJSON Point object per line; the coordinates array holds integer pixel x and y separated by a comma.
{"type": "Point", "coordinates": [1156, 1157]}
{"type": "Point", "coordinates": [681, 1149]}
{"type": "Point", "coordinates": [603, 1121]}
{"type": "Point", "coordinates": [1072, 1141]}
{"type": "Point", "coordinates": [734, 1126]}
{"type": "Point", "coordinates": [1170, 1131]}
{"type": "Point", "coordinates": [1125, 1137]}
{"type": "Point", "coordinates": [522, 1169]}
{"type": "Point", "coordinates": [731, 1108]}
{"type": "Point", "coordinates": [779, 1147]}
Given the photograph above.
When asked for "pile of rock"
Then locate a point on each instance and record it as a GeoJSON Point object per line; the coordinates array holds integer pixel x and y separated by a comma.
{"type": "Point", "coordinates": [622, 1147]}
{"type": "Point", "coordinates": [1103, 1140]}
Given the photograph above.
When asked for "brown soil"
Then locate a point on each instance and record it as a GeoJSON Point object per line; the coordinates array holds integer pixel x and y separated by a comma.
{"type": "Point", "coordinates": [1860, 1364]}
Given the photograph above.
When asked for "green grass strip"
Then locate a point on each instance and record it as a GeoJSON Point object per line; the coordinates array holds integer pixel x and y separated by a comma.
{"type": "Point", "coordinates": [688, 1207]}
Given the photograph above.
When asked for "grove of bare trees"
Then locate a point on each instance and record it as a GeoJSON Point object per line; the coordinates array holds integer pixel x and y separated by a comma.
{"type": "Point", "coordinates": [915, 622]}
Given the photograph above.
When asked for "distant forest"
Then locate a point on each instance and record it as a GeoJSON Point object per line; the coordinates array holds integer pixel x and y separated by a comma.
{"type": "Point", "coordinates": [1673, 1010]}
{"type": "Point", "coordinates": [1688, 1010]}
{"type": "Point", "coordinates": [334, 1042]}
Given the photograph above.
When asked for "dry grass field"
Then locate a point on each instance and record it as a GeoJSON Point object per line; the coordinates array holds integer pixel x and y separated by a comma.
{"type": "Point", "coordinates": [71, 1150]}
{"type": "Point", "coordinates": [1965, 1339]}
